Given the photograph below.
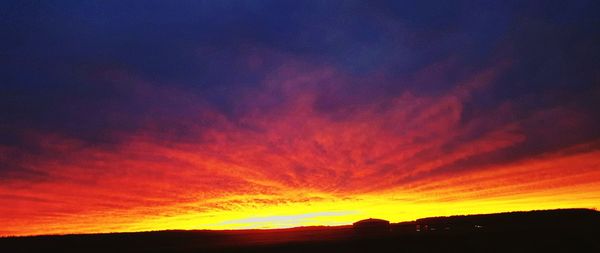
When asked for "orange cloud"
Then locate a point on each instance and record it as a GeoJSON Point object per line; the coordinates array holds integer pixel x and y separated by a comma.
{"type": "Point", "coordinates": [400, 158]}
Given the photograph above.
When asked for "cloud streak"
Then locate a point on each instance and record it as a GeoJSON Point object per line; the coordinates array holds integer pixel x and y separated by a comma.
{"type": "Point", "coordinates": [118, 117]}
{"type": "Point", "coordinates": [416, 147]}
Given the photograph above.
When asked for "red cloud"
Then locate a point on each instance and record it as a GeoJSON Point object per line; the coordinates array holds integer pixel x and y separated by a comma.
{"type": "Point", "coordinates": [282, 145]}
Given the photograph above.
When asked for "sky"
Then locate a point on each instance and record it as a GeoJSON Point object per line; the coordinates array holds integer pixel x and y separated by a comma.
{"type": "Point", "coordinates": [151, 115]}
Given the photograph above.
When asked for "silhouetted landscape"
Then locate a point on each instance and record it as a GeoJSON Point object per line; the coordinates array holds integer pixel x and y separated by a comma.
{"type": "Point", "coordinates": [563, 230]}
{"type": "Point", "coordinates": [203, 125]}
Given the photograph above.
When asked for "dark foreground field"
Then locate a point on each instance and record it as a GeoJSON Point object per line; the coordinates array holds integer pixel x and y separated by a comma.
{"type": "Point", "coordinates": [572, 230]}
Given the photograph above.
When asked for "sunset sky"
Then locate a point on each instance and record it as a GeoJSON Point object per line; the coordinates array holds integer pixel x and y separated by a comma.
{"type": "Point", "coordinates": [151, 115]}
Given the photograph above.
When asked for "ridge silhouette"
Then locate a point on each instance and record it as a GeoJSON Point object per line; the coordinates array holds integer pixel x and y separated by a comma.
{"type": "Point", "coordinates": [562, 230]}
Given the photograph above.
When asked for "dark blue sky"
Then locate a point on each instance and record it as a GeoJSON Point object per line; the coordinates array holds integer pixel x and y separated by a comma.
{"type": "Point", "coordinates": [146, 115]}
{"type": "Point", "coordinates": [64, 63]}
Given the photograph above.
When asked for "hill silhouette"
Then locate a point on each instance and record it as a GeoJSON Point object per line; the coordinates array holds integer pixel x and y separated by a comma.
{"type": "Point", "coordinates": [563, 230]}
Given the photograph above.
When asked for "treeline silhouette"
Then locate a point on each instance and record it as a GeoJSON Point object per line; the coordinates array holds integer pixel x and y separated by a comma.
{"type": "Point", "coordinates": [563, 230]}
{"type": "Point", "coordinates": [559, 219]}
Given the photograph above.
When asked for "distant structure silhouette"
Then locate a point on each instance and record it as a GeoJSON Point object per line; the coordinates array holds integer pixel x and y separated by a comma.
{"type": "Point", "coordinates": [564, 230]}
{"type": "Point", "coordinates": [371, 226]}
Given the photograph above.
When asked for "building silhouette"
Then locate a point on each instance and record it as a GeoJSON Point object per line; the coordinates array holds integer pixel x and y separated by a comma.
{"type": "Point", "coordinates": [371, 226]}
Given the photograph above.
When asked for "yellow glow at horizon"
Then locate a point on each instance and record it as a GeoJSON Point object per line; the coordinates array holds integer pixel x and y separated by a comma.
{"type": "Point", "coordinates": [341, 212]}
